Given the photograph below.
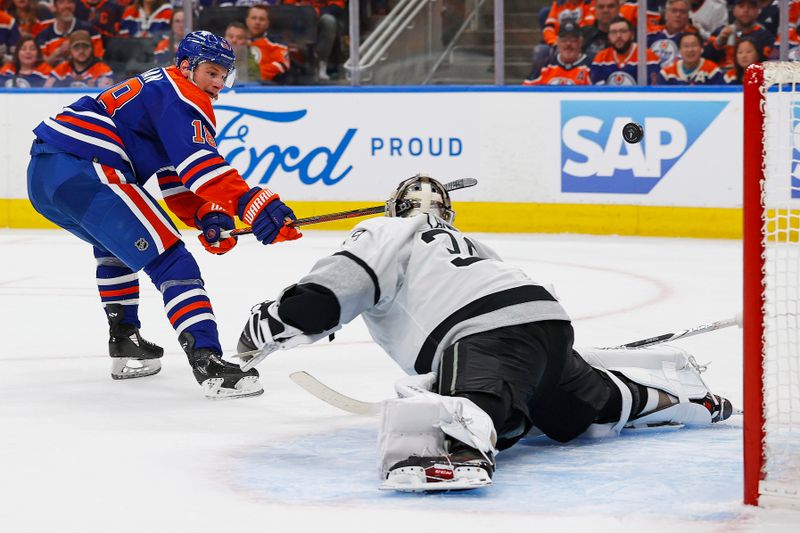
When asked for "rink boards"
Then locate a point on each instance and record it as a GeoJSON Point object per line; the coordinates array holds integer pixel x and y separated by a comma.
{"type": "Point", "coordinates": [549, 160]}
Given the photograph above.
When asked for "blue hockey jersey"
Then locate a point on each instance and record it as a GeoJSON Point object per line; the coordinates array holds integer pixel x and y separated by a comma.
{"type": "Point", "coordinates": [157, 123]}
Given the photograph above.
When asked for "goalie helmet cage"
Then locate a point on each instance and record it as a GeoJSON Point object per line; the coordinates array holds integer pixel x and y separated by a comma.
{"type": "Point", "coordinates": [771, 186]}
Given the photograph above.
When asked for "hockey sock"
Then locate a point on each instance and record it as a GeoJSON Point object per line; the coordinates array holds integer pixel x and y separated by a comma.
{"type": "Point", "coordinates": [645, 399]}
{"type": "Point", "coordinates": [118, 284]}
{"type": "Point", "coordinates": [177, 276]}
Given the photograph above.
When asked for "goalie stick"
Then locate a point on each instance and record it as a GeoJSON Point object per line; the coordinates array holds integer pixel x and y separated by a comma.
{"type": "Point", "coordinates": [667, 337]}
{"type": "Point", "coordinates": [454, 185]}
{"type": "Point", "coordinates": [316, 388]}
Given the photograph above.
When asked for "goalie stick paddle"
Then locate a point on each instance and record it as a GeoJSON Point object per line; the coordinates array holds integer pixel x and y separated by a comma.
{"type": "Point", "coordinates": [316, 388]}
{"type": "Point", "coordinates": [454, 185]}
{"type": "Point", "coordinates": [667, 337]}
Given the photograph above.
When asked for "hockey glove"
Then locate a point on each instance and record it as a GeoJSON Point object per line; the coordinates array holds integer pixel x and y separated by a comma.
{"type": "Point", "coordinates": [265, 333]}
{"type": "Point", "coordinates": [269, 217]}
{"type": "Point", "coordinates": [212, 219]}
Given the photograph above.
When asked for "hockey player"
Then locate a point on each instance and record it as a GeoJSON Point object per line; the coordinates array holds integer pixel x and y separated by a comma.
{"type": "Point", "coordinates": [488, 350]}
{"type": "Point", "coordinates": [89, 164]}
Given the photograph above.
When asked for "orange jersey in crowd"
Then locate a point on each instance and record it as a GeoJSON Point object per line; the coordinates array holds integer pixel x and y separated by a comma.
{"type": "Point", "coordinates": [33, 28]}
{"type": "Point", "coordinates": [707, 73]}
{"type": "Point", "coordinates": [49, 40]}
{"type": "Point", "coordinates": [609, 68]}
{"type": "Point", "coordinates": [559, 73]}
{"type": "Point", "coordinates": [9, 77]}
{"type": "Point", "coordinates": [66, 75]}
{"type": "Point", "coordinates": [272, 58]}
{"type": "Point", "coordinates": [630, 11]}
{"type": "Point", "coordinates": [581, 11]}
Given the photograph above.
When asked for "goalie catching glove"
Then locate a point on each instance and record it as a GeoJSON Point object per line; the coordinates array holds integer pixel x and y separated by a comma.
{"type": "Point", "coordinates": [265, 332]}
{"type": "Point", "coordinates": [212, 219]}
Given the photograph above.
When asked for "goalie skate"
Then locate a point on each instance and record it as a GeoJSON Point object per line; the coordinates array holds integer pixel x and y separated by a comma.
{"type": "Point", "coordinates": [460, 471]}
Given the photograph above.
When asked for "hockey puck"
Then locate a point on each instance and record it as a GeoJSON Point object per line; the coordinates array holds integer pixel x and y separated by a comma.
{"type": "Point", "coordinates": [632, 133]}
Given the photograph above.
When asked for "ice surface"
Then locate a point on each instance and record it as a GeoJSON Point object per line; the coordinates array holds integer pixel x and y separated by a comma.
{"type": "Point", "coordinates": [80, 452]}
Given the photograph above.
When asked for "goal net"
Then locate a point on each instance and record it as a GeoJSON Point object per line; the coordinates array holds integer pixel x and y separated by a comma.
{"type": "Point", "coordinates": [772, 284]}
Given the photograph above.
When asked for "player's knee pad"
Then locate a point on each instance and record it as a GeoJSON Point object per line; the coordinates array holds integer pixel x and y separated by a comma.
{"type": "Point", "coordinates": [667, 370]}
{"type": "Point", "coordinates": [418, 422]}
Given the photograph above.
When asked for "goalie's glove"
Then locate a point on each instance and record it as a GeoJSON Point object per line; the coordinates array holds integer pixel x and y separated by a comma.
{"type": "Point", "coordinates": [265, 333]}
{"type": "Point", "coordinates": [212, 219]}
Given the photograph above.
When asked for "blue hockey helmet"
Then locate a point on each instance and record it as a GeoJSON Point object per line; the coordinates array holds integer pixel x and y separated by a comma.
{"type": "Point", "coordinates": [203, 46]}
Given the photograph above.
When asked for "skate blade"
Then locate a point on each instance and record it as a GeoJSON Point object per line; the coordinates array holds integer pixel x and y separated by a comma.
{"type": "Point", "coordinates": [244, 388]}
{"type": "Point", "coordinates": [128, 368]}
{"type": "Point", "coordinates": [438, 486]}
{"type": "Point", "coordinates": [413, 479]}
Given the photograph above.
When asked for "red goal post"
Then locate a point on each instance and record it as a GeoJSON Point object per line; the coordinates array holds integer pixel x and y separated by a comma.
{"type": "Point", "coordinates": [771, 315]}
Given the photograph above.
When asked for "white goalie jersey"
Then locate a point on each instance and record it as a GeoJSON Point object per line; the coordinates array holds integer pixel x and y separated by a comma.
{"type": "Point", "coordinates": [421, 285]}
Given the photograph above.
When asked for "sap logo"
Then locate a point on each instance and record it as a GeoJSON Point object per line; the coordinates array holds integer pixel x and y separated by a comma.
{"type": "Point", "coordinates": [322, 159]}
{"type": "Point", "coordinates": [795, 174]}
{"type": "Point", "coordinates": [596, 159]}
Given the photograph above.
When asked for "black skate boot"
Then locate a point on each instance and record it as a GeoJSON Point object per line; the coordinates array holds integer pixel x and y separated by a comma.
{"type": "Point", "coordinates": [461, 469]}
{"type": "Point", "coordinates": [131, 355]}
{"type": "Point", "coordinates": [719, 407]}
{"type": "Point", "coordinates": [220, 379]}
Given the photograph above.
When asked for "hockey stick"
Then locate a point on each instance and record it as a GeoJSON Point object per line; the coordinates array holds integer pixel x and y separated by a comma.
{"type": "Point", "coordinates": [342, 215]}
{"type": "Point", "coordinates": [316, 388]}
{"type": "Point", "coordinates": [667, 337]}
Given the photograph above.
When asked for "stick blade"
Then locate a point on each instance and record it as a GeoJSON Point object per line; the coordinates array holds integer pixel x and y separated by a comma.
{"type": "Point", "coordinates": [316, 388]}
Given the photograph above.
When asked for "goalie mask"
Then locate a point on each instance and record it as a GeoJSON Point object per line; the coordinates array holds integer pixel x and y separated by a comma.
{"type": "Point", "coordinates": [419, 195]}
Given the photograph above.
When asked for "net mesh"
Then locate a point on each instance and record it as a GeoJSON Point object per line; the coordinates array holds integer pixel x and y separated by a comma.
{"type": "Point", "coordinates": [781, 276]}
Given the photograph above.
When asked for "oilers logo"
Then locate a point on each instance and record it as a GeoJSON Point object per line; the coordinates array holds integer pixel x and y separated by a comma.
{"type": "Point", "coordinates": [666, 50]}
{"type": "Point", "coordinates": [620, 78]}
{"type": "Point", "coordinates": [561, 81]}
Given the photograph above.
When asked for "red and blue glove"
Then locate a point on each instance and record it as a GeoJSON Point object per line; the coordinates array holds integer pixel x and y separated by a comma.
{"type": "Point", "coordinates": [269, 217]}
{"type": "Point", "coordinates": [212, 219]}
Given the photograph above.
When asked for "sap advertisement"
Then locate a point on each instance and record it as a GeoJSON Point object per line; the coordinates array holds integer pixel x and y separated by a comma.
{"type": "Point", "coordinates": [558, 147]}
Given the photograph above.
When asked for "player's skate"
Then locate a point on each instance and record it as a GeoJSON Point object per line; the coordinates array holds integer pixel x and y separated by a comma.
{"type": "Point", "coordinates": [462, 469]}
{"type": "Point", "coordinates": [220, 379]}
{"type": "Point", "coordinates": [131, 355]}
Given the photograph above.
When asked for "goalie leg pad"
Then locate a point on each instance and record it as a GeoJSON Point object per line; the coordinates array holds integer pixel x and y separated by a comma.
{"type": "Point", "coordinates": [412, 443]}
{"type": "Point", "coordinates": [677, 394]}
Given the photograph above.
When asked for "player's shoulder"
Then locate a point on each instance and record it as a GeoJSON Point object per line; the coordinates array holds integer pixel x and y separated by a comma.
{"type": "Point", "coordinates": [180, 92]}
{"type": "Point", "coordinates": [8, 69]}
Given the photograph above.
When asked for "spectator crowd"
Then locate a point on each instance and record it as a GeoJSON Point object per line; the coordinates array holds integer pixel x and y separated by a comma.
{"type": "Point", "coordinates": [75, 43]}
{"type": "Point", "coordinates": [689, 42]}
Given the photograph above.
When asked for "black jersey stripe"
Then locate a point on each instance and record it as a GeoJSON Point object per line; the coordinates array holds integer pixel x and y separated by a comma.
{"type": "Point", "coordinates": [481, 306]}
{"type": "Point", "coordinates": [368, 270]}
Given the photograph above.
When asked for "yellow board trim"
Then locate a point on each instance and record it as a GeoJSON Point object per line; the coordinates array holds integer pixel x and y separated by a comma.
{"type": "Point", "coordinates": [654, 221]}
